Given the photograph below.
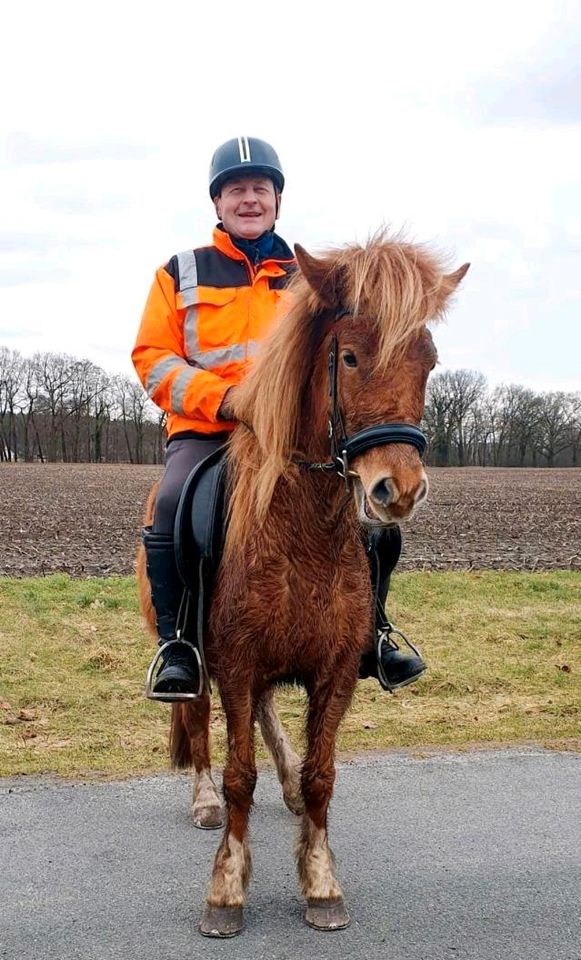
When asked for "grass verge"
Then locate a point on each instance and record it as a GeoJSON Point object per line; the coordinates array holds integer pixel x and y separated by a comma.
{"type": "Point", "coordinates": [503, 651]}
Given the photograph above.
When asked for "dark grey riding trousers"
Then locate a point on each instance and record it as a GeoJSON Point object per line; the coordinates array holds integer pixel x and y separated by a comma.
{"type": "Point", "coordinates": [181, 456]}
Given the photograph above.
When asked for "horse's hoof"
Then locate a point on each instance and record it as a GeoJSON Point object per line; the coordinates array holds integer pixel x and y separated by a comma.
{"type": "Point", "coordinates": [208, 818]}
{"type": "Point", "coordinates": [222, 921]}
{"type": "Point", "coordinates": [327, 914]}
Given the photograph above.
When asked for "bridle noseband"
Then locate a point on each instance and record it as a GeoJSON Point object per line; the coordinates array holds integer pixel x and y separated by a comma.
{"type": "Point", "coordinates": [344, 449]}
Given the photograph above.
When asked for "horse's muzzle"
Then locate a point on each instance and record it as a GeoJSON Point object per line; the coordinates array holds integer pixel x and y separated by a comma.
{"type": "Point", "coordinates": [385, 498]}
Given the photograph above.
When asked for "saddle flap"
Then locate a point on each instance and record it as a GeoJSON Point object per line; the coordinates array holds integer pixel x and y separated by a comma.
{"type": "Point", "coordinates": [199, 522]}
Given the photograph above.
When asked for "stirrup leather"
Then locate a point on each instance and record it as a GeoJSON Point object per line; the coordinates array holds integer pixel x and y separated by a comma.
{"type": "Point", "coordinates": [385, 635]}
{"type": "Point", "coordinates": [154, 669]}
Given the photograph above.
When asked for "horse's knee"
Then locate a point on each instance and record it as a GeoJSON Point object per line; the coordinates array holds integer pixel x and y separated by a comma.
{"type": "Point", "coordinates": [239, 783]}
{"type": "Point", "coordinates": [317, 787]}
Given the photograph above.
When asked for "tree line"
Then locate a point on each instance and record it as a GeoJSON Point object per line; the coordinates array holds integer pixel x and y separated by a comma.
{"type": "Point", "coordinates": [57, 408]}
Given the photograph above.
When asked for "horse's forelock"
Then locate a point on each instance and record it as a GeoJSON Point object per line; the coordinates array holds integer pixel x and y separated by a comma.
{"type": "Point", "coordinates": [398, 287]}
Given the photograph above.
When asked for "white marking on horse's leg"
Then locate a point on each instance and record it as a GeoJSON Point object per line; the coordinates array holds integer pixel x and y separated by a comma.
{"type": "Point", "coordinates": [287, 762]}
{"type": "Point", "coordinates": [232, 869]}
{"type": "Point", "coordinates": [316, 863]}
{"type": "Point", "coordinates": [207, 808]}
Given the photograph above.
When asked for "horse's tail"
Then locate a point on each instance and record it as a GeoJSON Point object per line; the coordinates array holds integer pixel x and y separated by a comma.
{"type": "Point", "coordinates": [143, 586]}
{"type": "Point", "coordinates": [189, 732]}
{"type": "Point", "coordinates": [180, 742]}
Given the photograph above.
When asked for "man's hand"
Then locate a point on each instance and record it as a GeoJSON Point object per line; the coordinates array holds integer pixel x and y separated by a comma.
{"type": "Point", "coordinates": [225, 411]}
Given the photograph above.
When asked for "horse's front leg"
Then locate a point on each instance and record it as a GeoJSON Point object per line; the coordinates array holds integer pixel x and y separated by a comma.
{"type": "Point", "coordinates": [223, 916]}
{"type": "Point", "coordinates": [327, 704]}
{"type": "Point", "coordinates": [287, 762]}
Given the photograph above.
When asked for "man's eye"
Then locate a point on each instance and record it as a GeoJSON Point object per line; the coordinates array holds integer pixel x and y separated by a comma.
{"type": "Point", "coordinates": [349, 359]}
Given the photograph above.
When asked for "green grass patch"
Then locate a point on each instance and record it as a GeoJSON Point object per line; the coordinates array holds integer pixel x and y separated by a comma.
{"type": "Point", "coordinates": [503, 649]}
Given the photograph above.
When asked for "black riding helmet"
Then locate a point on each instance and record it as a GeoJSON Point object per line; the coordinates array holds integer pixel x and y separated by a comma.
{"type": "Point", "coordinates": [244, 155]}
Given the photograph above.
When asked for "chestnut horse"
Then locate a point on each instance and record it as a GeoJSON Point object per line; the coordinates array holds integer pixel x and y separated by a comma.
{"type": "Point", "coordinates": [292, 599]}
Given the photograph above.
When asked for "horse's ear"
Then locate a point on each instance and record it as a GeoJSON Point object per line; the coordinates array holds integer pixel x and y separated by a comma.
{"type": "Point", "coordinates": [451, 280]}
{"type": "Point", "coordinates": [319, 274]}
{"type": "Point", "coordinates": [448, 284]}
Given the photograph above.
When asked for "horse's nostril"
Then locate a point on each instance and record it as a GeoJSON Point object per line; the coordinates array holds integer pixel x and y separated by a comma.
{"type": "Point", "coordinates": [382, 492]}
{"type": "Point", "coordinates": [421, 492]}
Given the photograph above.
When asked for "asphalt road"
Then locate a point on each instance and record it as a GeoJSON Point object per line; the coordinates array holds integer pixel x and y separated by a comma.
{"type": "Point", "coordinates": [453, 856]}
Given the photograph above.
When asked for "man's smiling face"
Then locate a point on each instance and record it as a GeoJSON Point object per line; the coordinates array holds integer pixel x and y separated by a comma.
{"type": "Point", "coordinates": [247, 206]}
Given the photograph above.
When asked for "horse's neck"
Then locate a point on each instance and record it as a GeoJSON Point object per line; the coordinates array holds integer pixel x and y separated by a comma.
{"type": "Point", "coordinates": [316, 504]}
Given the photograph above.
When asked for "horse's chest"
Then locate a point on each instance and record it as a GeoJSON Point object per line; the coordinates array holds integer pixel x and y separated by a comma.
{"type": "Point", "coordinates": [312, 590]}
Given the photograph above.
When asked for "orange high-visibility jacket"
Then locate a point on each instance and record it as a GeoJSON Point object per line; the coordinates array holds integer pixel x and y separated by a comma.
{"type": "Point", "coordinates": [206, 313]}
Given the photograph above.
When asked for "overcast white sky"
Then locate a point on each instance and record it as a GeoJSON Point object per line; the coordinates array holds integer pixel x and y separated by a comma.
{"type": "Point", "coordinates": [460, 121]}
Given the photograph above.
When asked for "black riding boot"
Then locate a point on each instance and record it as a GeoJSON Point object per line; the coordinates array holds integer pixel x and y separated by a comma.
{"type": "Point", "coordinates": [179, 672]}
{"type": "Point", "coordinates": [386, 662]}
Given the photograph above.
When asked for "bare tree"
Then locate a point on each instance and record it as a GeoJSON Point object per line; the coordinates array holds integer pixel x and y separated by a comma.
{"type": "Point", "coordinates": [11, 375]}
{"type": "Point", "coordinates": [574, 426]}
{"type": "Point", "coordinates": [28, 410]}
{"type": "Point", "coordinates": [438, 421]}
{"type": "Point", "coordinates": [133, 406]}
{"type": "Point", "coordinates": [552, 435]}
{"type": "Point", "coordinates": [516, 417]}
{"type": "Point", "coordinates": [99, 406]}
{"type": "Point", "coordinates": [452, 410]}
{"type": "Point", "coordinates": [54, 373]}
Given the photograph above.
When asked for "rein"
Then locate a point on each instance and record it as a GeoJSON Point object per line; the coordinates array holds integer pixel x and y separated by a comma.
{"type": "Point", "coordinates": [344, 448]}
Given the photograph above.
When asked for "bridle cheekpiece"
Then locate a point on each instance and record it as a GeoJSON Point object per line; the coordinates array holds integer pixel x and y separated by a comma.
{"type": "Point", "coordinates": [344, 449]}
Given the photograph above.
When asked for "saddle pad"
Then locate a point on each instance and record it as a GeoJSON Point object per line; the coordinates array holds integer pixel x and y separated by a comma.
{"type": "Point", "coordinates": [199, 523]}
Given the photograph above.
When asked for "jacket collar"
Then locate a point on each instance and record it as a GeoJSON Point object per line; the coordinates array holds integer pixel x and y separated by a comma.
{"type": "Point", "coordinates": [281, 252]}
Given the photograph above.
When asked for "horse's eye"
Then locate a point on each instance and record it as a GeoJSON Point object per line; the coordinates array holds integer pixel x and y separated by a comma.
{"type": "Point", "coordinates": [349, 359]}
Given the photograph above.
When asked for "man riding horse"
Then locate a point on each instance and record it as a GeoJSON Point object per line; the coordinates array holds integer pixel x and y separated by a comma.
{"type": "Point", "coordinates": [207, 311]}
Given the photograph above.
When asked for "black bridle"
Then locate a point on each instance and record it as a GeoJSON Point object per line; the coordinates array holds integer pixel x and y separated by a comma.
{"type": "Point", "coordinates": [344, 449]}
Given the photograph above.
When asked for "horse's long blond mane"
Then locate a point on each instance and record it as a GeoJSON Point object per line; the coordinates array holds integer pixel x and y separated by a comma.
{"type": "Point", "coordinates": [397, 286]}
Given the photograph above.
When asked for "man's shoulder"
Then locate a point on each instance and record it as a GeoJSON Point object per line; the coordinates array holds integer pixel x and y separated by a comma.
{"type": "Point", "coordinates": [205, 266]}
{"type": "Point", "coordinates": [171, 265]}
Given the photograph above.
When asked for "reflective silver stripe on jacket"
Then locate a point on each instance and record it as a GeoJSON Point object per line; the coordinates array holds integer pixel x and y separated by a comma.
{"type": "Point", "coordinates": [221, 355]}
{"type": "Point", "coordinates": [179, 387]}
{"type": "Point", "coordinates": [160, 370]}
{"type": "Point", "coordinates": [191, 332]}
{"type": "Point", "coordinates": [188, 274]}
{"type": "Point", "coordinates": [188, 288]}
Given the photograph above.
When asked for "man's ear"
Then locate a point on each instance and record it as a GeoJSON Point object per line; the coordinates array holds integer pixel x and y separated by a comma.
{"type": "Point", "coordinates": [217, 207]}
{"type": "Point", "coordinates": [278, 200]}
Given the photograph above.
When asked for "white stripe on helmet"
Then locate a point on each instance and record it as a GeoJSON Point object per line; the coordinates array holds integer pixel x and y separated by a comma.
{"type": "Point", "coordinates": [244, 150]}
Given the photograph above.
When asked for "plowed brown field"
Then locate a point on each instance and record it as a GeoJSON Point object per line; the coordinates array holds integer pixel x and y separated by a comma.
{"type": "Point", "coordinates": [84, 519]}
